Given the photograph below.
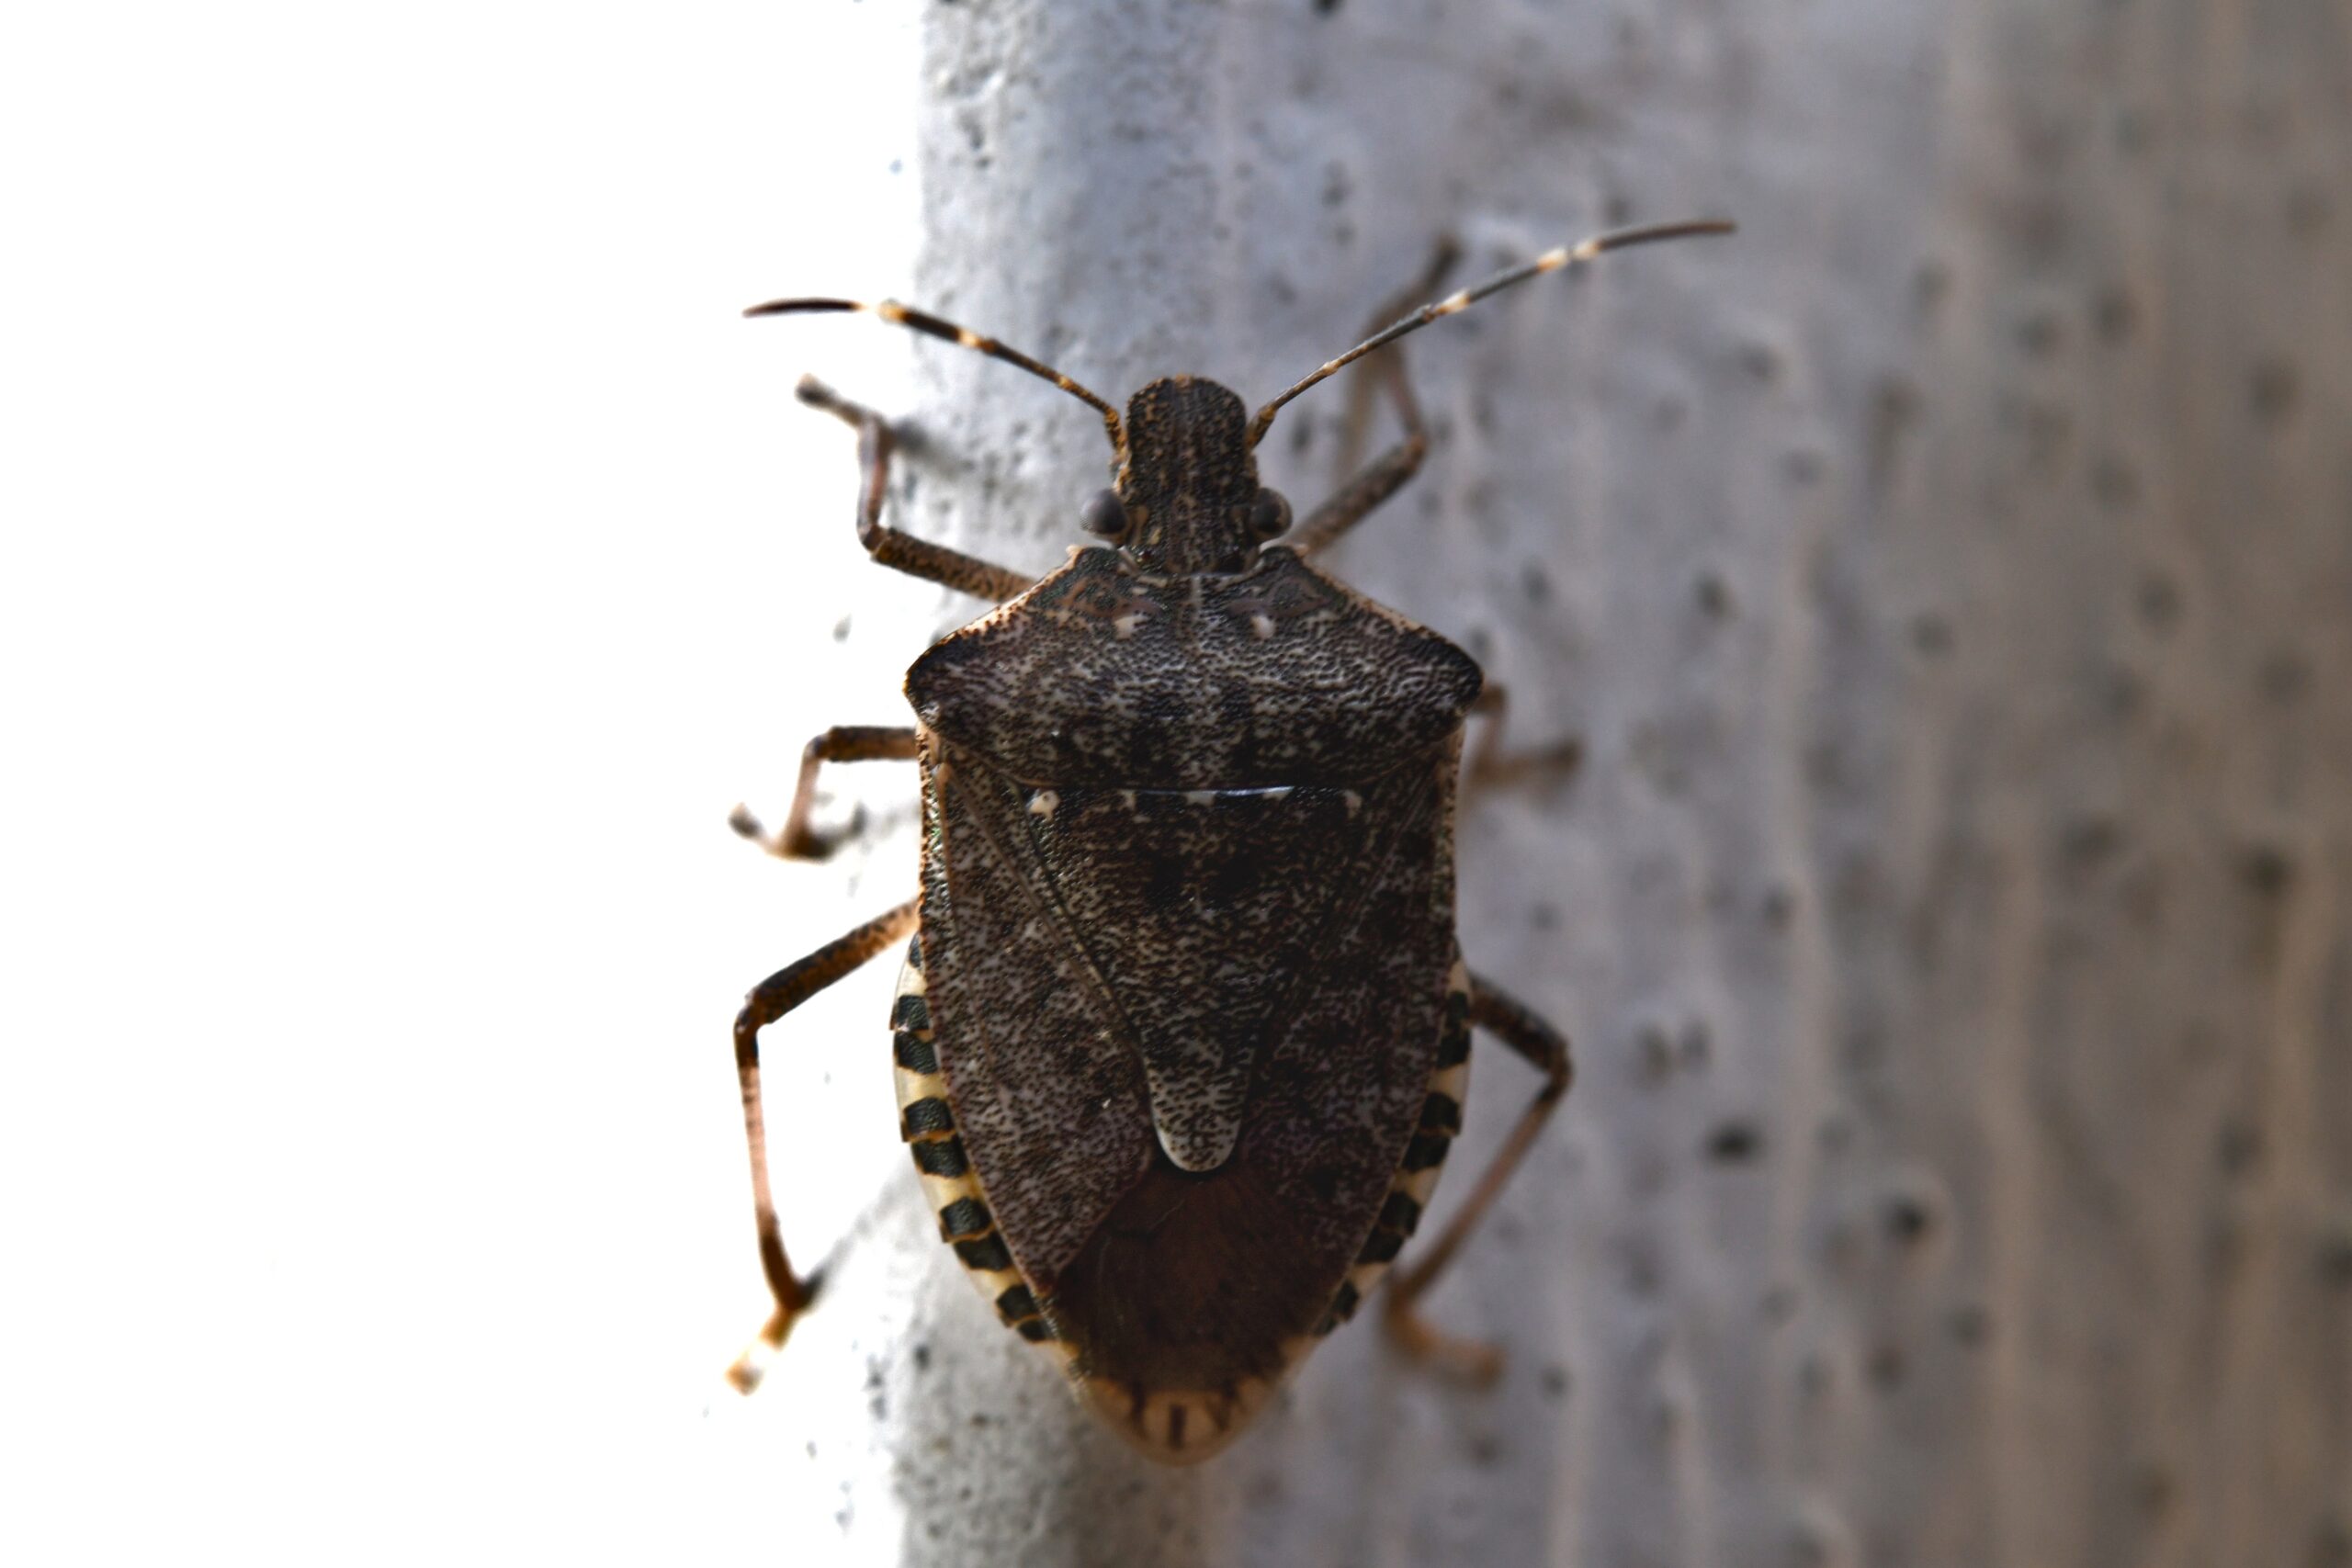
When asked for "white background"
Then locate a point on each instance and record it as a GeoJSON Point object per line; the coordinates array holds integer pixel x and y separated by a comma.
{"type": "Point", "coordinates": [409, 556]}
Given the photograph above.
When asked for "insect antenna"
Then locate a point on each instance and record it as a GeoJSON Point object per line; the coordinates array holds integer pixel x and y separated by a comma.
{"type": "Point", "coordinates": [923, 322]}
{"type": "Point", "coordinates": [1550, 261]}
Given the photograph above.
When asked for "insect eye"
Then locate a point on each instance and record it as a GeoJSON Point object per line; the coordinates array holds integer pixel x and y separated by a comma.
{"type": "Point", "coordinates": [1270, 516]}
{"type": "Point", "coordinates": [1106, 515]}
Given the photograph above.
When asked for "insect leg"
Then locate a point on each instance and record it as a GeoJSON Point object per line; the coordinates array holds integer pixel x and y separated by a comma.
{"type": "Point", "coordinates": [1509, 1021]}
{"type": "Point", "coordinates": [769, 1001]}
{"type": "Point", "coordinates": [1381, 372]}
{"type": "Point", "coordinates": [917, 558]}
{"type": "Point", "coordinates": [843, 743]}
{"type": "Point", "coordinates": [1489, 766]}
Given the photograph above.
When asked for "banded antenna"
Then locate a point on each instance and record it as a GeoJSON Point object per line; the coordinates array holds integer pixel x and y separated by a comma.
{"type": "Point", "coordinates": [1550, 261]}
{"type": "Point", "coordinates": [923, 322]}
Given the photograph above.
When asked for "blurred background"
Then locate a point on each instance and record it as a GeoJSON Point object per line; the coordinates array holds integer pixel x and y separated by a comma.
{"type": "Point", "coordinates": [410, 558]}
{"type": "Point", "coordinates": [403, 581]}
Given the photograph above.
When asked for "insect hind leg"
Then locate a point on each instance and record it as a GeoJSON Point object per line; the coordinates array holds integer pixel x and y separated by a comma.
{"type": "Point", "coordinates": [1516, 1026]}
{"type": "Point", "coordinates": [770, 1000]}
{"type": "Point", "coordinates": [888, 546]}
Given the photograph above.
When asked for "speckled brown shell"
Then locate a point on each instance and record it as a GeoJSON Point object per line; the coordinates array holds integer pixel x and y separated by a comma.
{"type": "Point", "coordinates": [1185, 957]}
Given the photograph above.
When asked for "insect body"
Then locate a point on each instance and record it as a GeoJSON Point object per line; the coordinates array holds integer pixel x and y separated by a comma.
{"type": "Point", "coordinates": [1182, 1032]}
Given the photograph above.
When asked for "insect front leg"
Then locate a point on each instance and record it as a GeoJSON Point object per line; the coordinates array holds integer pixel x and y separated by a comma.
{"type": "Point", "coordinates": [1510, 1021]}
{"type": "Point", "coordinates": [917, 558]}
{"type": "Point", "coordinates": [843, 743]}
{"type": "Point", "coordinates": [1383, 372]}
{"type": "Point", "coordinates": [770, 1000]}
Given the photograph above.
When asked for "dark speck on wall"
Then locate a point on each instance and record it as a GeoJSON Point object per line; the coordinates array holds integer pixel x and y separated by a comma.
{"type": "Point", "coordinates": [1735, 1143]}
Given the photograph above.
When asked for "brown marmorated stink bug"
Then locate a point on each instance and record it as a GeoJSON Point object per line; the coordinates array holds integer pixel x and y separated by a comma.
{"type": "Point", "coordinates": [1183, 1028]}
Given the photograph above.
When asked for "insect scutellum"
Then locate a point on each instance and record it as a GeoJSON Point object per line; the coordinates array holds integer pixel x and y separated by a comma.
{"type": "Point", "coordinates": [1186, 498]}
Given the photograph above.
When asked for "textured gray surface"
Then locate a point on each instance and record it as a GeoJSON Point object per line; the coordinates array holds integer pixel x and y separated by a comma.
{"type": "Point", "coordinates": [1950, 579]}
